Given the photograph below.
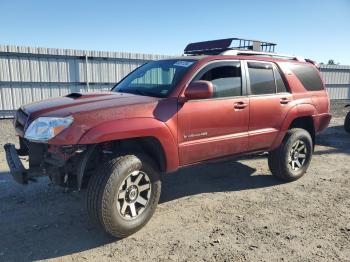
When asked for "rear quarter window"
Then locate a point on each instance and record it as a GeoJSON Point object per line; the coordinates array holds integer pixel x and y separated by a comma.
{"type": "Point", "coordinates": [308, 76]}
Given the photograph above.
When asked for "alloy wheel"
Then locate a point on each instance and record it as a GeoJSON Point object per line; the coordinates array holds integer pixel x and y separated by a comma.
{"type": "Point", "coordinates": [297, 155]}
{"type": "Point", "coordinates": [133, 195]}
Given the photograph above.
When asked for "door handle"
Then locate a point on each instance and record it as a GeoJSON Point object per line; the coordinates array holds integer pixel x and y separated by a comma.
{"type": "Point", "coordinates": [284, 100]}
{"type": "Point", "coordinates": [240, 105]}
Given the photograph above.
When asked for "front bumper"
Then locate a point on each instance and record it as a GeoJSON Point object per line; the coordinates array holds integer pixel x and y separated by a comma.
{"type": "Point", "coordinates": [17, 170]}
{"type": "Point", "coordinates": [19, 173]}
{"type": "Point", "coordinates": [44, 160]}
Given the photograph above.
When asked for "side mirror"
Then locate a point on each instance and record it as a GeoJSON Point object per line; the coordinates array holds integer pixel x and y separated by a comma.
{"type": "Point", "coordinates": [199, 90]}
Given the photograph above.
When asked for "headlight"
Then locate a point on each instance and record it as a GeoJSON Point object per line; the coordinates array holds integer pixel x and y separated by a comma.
{"type": "Point", "coordinates": [44, 128]}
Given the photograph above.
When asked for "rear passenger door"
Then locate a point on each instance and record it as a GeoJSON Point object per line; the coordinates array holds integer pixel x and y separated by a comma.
{"type": "Point", "coordinates": [270, 102]}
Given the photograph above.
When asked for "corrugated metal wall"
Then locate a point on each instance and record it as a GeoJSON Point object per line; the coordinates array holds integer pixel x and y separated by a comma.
{"type": "Point", "coordinates": [337, 80]}
{"type": "Point", "coordinates": [29, 74]}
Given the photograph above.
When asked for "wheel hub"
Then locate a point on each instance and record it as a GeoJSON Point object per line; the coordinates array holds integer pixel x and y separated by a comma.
{"type": "Point", "coordinates": [295, 155]}
{"type": "Point", "coordinates": [132, 193]}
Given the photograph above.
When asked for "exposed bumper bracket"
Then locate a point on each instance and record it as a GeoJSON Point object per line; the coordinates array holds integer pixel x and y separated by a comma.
{"type": "Point", "coordinates": [19, 173]}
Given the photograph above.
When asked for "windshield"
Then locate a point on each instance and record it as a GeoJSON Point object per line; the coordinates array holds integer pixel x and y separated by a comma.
{"type": "Point", "coordinates": [156, 78]}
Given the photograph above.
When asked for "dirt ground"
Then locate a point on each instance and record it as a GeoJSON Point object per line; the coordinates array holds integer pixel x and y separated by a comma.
{"type": "Point", "coordinates": [230, 211]}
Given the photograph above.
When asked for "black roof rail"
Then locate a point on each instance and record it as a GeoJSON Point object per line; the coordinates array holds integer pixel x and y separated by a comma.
{"type": "Point", "coordinates": [215, 47]}
{"type": "Point", "coordinates": [313, 62]}
{"type": "Point", "coordinates": [235, 52]}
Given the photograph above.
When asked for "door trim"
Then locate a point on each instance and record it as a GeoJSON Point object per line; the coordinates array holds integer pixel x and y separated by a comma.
{"type": "Point", "coordinates": [214, 139]}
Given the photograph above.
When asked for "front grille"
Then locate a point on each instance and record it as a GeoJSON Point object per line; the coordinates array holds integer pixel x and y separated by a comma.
{"type": "Point", "coordinates": [20, 122]}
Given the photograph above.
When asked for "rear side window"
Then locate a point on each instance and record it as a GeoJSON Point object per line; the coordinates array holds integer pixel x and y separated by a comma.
{"type": "Point", "coordinates": [308, 76]}
{"type": "Point", "coordinates": [262, 79]}
{"type": "Point", "coordinates": [226, 79]}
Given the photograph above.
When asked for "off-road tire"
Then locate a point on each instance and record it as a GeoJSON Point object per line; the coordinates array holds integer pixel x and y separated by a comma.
{"type": "Point", "coordinates": [279, 159]}
{"type": "Point", "coordinates": [347, 122]}
{"type": "Point", "coordinates": [103, 190]}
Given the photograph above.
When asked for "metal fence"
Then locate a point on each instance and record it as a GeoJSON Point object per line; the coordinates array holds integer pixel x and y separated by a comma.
{"type": "Point", "coordinates": [29, 74]}
{"type": "Point", "coordinates": [337, 80]}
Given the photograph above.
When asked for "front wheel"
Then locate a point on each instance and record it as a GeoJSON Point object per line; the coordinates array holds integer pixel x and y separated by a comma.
{"type": "Point", "coordinates": [347, 122]}
{"type": "Point", "coordinates": [123, 195]}
{"type": "Point", "coordinates": [292, 158]}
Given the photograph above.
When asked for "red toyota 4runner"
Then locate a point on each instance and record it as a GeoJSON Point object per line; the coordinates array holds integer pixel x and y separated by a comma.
{"type": "Point", "coordinates": [216, 101]}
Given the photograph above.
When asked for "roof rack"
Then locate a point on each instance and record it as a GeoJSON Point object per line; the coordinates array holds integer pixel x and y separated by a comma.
{"type": "Point", "coordinates": [215, 47]}
{"type": "Point", "coordinates": [237, 46]}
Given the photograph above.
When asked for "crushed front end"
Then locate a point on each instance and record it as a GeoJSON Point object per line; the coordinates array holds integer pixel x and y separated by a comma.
{"type": "Point", "coordinates": [63, 163]}
{"type": "Point", "coordinates": [57, 162]}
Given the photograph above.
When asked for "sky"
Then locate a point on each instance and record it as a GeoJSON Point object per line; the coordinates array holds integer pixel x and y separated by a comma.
{"type": "Point", "coordinates": [315, 29]}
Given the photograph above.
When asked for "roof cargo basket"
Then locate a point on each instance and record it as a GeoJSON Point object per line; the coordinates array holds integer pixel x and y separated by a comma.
{"type": "Point", "coordinates": [215, 47]}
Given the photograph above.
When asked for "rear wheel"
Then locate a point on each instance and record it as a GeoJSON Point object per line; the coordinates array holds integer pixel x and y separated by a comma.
{"type": "Point", "coordinates": [347, 122]}
{"type": "Point", "coordinates": [292, 158]}
{"type": "Point", "coordinates": [123, 195]}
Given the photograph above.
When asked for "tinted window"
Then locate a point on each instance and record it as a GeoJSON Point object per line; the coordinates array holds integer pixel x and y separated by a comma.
{"type": "Point", "coordinates": [226, 79]}
{"type": "Point", "coordinates": [261, 78]}
{"type": "Point", "coordinates": [308, 76]}
{"type": "Point", "coordinates": [281, 87]}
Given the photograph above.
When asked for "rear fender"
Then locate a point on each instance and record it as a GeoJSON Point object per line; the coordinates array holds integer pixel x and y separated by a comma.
{"type": "Point", "coordinates": [135, 128]}
{"type": "Point", "coordinates": [300, 110]}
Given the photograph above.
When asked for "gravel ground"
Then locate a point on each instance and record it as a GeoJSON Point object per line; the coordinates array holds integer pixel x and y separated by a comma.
{"type": "Point", "coordinates": [229, 211]}
{"type": "Point", "coordinates": [338, 108]}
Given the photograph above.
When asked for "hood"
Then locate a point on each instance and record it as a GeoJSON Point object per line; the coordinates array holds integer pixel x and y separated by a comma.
{"type": "Point", "coordinates": [86, 104]}
{"type": "Point", "coordinates": [93, 109]}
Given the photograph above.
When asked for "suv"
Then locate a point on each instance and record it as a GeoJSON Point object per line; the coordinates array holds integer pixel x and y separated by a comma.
{"type": "Point", "coordinates": [212, 103]}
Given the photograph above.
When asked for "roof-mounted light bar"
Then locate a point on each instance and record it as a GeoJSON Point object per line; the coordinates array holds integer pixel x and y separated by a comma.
{"type": "Point", "coordinates": [215, 47]}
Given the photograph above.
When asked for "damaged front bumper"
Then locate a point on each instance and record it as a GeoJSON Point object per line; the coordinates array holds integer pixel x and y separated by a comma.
{"type": "Point", "coordinates": [19, 173]}
{"type": "Point", "coordinates": [60, 163]}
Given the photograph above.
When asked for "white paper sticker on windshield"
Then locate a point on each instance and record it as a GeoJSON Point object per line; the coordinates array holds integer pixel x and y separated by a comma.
{"type": "Point", "coordinates": [183, 63]}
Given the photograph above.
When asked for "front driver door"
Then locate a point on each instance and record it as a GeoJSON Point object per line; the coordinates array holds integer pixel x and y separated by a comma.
{"type": "Point", "coordinates": [218, 126]}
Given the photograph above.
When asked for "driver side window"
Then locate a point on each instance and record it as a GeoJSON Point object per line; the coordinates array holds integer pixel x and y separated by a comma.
{"type": "Point", "coordinates": [226, 78]}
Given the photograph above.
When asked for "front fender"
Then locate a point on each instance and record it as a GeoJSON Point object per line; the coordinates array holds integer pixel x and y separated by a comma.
{"type": "Point", "coordinates": [132, 128]}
